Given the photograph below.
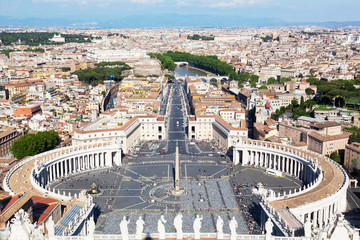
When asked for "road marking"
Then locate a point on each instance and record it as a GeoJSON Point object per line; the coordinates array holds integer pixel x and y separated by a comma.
{"type": "Point", "coordinates": [218, 172]}
{"type": "Point", "coordinates": [117, 192]}
{"type": "Point", "coordinates": [140, 175]}
{"type": "Point", "coordinates": [131, 179]}
{"type": "Point", "coordinates": [134, 204]}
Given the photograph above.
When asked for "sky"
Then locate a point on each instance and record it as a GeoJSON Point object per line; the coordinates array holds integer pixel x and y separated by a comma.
{"type": "Point", "coordinates": [102, 10]}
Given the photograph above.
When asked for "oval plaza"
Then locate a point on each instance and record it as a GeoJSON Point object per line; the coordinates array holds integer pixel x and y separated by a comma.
{"type": "Point", "coordinates": [141, 196]}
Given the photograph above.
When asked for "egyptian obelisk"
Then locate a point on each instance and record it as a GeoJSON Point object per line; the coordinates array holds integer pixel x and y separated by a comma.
{"type": "Point", "coordinates": [177, 169]}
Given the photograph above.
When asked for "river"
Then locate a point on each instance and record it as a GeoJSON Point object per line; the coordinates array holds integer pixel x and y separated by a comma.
{"type": "Point", "coordinates": [190, 71]}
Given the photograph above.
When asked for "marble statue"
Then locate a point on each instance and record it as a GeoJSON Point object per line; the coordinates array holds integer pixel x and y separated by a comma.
{"type": "Point", "coordinates": [219, 228]}
{"type": "Point", "coordinates": [307, 228]}
{"type": "Point", "coordinates": [161, 227]}
{"type": "Point", "coordinates": [233, 225]}
{"type": "Point", "coordinates": [197, 226]}
{"type": "Point", "coordinates": [124, 228]}
{"type": "Point", "coordinates": [268, 229]}
{"type": "Point", "coordinates": [19, 230]}
{"type": "Point", "coordinates": [37, 234]}
{"type": "Point", "coordinates": [50, 227]}
{"type": "Point", "coordinates": [90, 227]}
{"type": "Point", "coordinates": [178, 226]}
{"type": "Point", "coordinates": [139, 228]}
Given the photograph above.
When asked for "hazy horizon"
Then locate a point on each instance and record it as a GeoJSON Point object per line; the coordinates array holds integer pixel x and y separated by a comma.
{"type": "Point", "coordinates": [99, 11]}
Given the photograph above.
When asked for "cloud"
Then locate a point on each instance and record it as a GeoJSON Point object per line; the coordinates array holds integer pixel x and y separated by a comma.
{"type": "Point", "coordinates": [146, 1]}
{"type": "Point", "coordinates": [99, 2]}
{"type": "Point", "coordinates": [239, 3]}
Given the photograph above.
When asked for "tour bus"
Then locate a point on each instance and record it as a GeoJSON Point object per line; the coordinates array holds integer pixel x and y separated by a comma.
{"type": "Point", "coordinates": [274, 172]}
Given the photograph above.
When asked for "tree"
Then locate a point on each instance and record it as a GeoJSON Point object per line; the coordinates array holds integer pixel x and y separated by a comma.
{"type": "Point", "coordinates": [254, 78]}
{"type": "Point", "coordinates": [244, 77]}
{"type": "Point", "coordinates": [335, 157]}
{"type": "Point", "coordinates": [302, 103]}
{"type": "Point", "coordinates": [325, 100]}
{"type": "Point", "coordinates": [240, 85]}
{"type": "Point", "coordinates": [313, 80]}
{"type": "Point", "coordinates": [209, 63]}
{"type": "Point", "coordinates": [103, 93]}
{"type": "Point", "coordinates": [263, 87]}
{"type": "Point", "coordinates": [271, 80]}
{"type": "Point", "coordinates": [294, 102]}
{"type": "Point", "coordinates": [32, 144]}
{"type": "Point", "coordinates": [284, 79]}
{"type": "Point", "coordinates": [309, 91]}
{"type": "Point", "coordinates": [354, 163]}
{"type": "Point", "coordinates": [65, 69]}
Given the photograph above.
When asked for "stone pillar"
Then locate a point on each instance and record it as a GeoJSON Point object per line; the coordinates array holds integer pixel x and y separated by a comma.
{"type": "Point", "coordinates": [326, 214]}
{"type": "Point", "coordinates": [61, 168]}
{"type": "Point", "coordinates": [57, 170]}
{"type": "Point", "coordinates": [301, 171]}
{"type": "Point", "coordinates": [77, 161]}
{"type": "Point", "coordinates": [70, 165]}
{"type": "Point", "coordinates": [95, 160]}
{"type": "Point", "coordinates": [245, 157]}
{"type": "Point", "coordinates": [236, 156]}
{"type": "Point", "coordinates": [101, 159]}
{"type": "Point", "coordinates": [320, 218]}
{"type": "Point", "coordinates": [91, 161]}
{"type": "Point", "coordinates": [288, 165]}
{"type": "Point", "coordinates": [66, 166]}
{"type": "Point", "coordinates": [315, 219]}
{"type": "Point", "coordinates": [291, 166]}
{"type": "Point", "coordinates": [48, 169]}
{"type": "Point", "coordinates": [86, 161]}
{"type": "Point", "coordinates": [257, 158]}
{"type": "Point", "coordinates": [52, 169]}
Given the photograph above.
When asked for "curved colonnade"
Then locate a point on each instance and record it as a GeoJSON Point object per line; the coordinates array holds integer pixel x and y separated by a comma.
{"type": "Point", "coordinates": [46, 168]}
{"type": "Point", "coordinates": [324, 181]}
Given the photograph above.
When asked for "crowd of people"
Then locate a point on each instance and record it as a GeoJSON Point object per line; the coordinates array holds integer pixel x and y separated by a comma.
{"type": "Point", "coordinates": [249, 205]}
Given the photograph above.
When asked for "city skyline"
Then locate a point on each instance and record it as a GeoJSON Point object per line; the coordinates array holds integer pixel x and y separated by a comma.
{"type": "Point", "coordinates": [232, 13]}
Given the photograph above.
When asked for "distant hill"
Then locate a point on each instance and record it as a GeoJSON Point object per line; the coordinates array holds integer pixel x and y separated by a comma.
{"type": "Point", "coordinates": [163, 20]}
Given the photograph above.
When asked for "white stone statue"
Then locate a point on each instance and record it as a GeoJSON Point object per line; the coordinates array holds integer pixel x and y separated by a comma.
{"type": "Point", "coordinates": [219, 228]}
{"type": "Point", "coordinates": [233, 226]}
{"type": "Point", "coordinates": [197, 226]}
{"type": "Point", "coordinates": [124, 228]}
{"type": "Point", "coordinates": [139, 228]}
{"type": "Point", "coordinates": [5, 232]}
{"type": "Point", "coordinates": [90, 228]}
{"type": "Point", "coordinates": [268, 228]}
{"type": "Point", "coordinates": [307, 228]}
{"type": "Point", "coordinates": [37, 234]}
{"type": "Point", "coordinates": [50, 228]}
{"type": "Point", "coordinates": [178, 226]}
{"type": "Point", "coordinates": [161, 227]}
{"type": "Point", "coordinates": [19, 228]}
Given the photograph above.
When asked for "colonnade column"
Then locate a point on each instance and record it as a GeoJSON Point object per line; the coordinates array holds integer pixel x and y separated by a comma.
{"type": "Point", "coordinates": [67, 161]}
{"type": "Point", "coordinates": [95, 160]}
{"type": "Point", "coordinates": [236, 156]}
{"type": "Point", "coordinates": [101, 159]}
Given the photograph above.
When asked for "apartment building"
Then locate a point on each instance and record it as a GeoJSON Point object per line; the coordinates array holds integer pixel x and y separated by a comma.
{"type": "Point", "coordinates": [327, 138]}
{"type": "Point", "coordinates": [352, 156]}
{"type": "Point", "coordinates": [7, 137]}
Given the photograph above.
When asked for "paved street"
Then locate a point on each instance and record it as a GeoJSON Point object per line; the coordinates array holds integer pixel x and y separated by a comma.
{"type": "Point", "coordinates": [142, 185]}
